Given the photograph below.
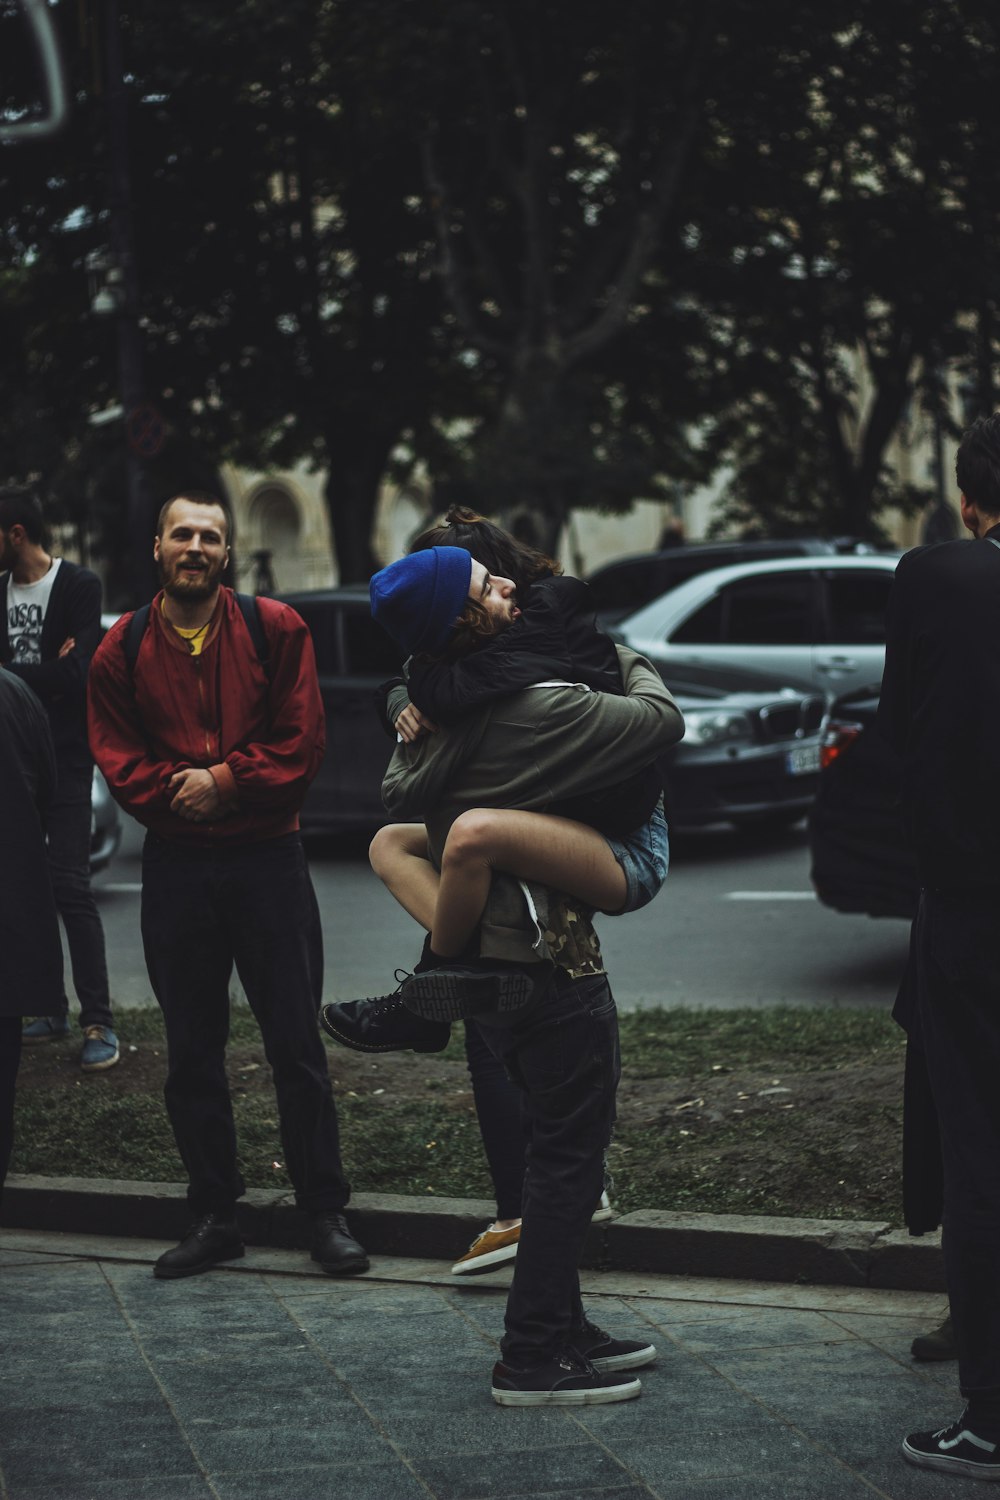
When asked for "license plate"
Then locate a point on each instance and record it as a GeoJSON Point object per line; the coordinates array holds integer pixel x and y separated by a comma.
{"type": "Point", "coordinates": [803, 760]}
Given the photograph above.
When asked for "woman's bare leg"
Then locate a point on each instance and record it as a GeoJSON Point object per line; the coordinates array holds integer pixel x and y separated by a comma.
{"type": "Point", "coordinates": [557, 852]}
{"type": "Point", "coordinates": [399, 857]}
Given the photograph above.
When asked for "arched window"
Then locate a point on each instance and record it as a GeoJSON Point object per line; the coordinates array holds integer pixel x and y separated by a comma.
{"type": "Point", "coordinates": [276, 530]}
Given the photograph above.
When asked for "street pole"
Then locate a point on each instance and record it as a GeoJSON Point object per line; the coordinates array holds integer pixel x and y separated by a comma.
{"type": "Point", "coordinates": [140, 500]}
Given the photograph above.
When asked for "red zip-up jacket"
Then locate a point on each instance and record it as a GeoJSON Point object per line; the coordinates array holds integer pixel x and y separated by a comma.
{"type": "Point", "coordinates": [263, 742]}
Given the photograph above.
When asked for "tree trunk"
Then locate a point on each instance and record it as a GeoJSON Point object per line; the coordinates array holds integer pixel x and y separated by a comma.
{"type": "Point", "coordinates": [351, 495]}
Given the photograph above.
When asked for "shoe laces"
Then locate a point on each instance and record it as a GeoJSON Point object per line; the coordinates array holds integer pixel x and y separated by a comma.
{"type": "Point", "coordinates": [95, 1034]}
{"type": "Point", "coordinates": [382, 1004]}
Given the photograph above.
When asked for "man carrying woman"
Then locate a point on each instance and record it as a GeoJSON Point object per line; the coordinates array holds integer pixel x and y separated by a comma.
{"type": "Point", "coordinates": [537, 984]}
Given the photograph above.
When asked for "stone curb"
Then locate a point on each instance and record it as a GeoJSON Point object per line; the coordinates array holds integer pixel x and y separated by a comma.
{"type": "Point", "coordinates": [729, 1246]}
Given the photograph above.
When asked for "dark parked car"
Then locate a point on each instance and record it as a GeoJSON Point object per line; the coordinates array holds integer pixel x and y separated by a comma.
{"type": "Point", "coordinates": [353, 656]}
{"type": "Point", "coordinates": [861, 861]}
{"type": "Point", "coordinates": [750, 755]}
{"type": "Point", "coordinates": [751, 749]}
{"type": "Point", "coordinates": [620, 588]}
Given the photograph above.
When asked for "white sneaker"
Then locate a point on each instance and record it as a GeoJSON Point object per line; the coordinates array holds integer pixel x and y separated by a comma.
{"type": "Point", "coordinates": [603, 1210]}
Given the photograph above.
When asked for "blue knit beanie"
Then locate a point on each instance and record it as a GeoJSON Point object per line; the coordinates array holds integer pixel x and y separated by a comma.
{"type": "Point", "coordinates": [418, 599]}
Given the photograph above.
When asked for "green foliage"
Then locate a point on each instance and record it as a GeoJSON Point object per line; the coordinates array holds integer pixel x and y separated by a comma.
{"type": "Point", "coordinates": [563, 255]}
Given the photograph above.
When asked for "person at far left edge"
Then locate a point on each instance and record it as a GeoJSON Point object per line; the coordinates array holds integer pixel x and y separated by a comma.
{"type": "Point", "coordinates": [210, 738]}
{"type": "Point", "coordinates": [50, 624]}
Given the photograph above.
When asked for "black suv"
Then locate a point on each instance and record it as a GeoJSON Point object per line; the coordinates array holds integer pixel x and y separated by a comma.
{"type": "Point", "coordinates": [861, 861]}
{"type": "Point", "coordinates": [620, 588]}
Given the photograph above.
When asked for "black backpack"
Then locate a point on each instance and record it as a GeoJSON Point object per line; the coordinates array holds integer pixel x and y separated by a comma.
{"type": "Point", "coordinates": [248, 609]}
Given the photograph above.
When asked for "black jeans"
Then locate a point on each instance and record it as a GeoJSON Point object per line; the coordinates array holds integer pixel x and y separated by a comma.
{"type": "Point", "coordinates": [501, 1121]}
{"type": "Point", "coordinates": [10, 1058]}
{"type": "Point", "coordinates": [956, 957]}
{"type": "Point", "coordinates": [68, 840]}
{"type": "Point", "coordinates": [564, 1057]}
{"type": "Point", "coordinates": [202, 911]}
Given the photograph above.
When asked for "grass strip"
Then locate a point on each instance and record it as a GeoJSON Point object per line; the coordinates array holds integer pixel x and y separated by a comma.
{"type": "Point", "coordinates": [787, 1111]}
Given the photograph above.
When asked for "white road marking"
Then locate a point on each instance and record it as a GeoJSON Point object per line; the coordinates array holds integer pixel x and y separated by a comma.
{"type": "Point", "coordinates": [770, 896]}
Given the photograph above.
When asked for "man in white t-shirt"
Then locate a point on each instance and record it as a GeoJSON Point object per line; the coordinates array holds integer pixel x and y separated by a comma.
{"type": "Point", "coordinates": [50, 626]}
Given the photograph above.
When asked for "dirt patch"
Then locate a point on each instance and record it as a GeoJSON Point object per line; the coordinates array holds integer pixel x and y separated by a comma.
{"type": "Point", "coordinates": [785, 1139]}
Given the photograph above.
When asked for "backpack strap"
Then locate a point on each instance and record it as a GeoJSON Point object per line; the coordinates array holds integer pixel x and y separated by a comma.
{"type": "Point", "coordinates": [251, 617]}
{"type": "Point", "coordinates": [136, 629]}
{"type": "Point", "coordinates": [134, 632]}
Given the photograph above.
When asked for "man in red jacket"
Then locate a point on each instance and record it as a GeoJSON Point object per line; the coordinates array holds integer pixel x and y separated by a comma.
{"type": "Point", "coordinates": [211, 740]}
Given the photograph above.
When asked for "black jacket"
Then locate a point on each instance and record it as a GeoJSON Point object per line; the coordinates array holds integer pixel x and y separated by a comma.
{"type": "Point", "coordinates": [557, 637]}
{"type": "Point", "coordinates": [940, 709]}
{"type": "Point", "coordinates": [61, 684]}
{"type": "Point", "coordinates": [31, 979]}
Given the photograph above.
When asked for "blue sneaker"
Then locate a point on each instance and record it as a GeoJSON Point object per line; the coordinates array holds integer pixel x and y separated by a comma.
{"type": "Point", "coordinates": [100, 1049]}
{"type": "Point", "coordinates": [46, 1029]}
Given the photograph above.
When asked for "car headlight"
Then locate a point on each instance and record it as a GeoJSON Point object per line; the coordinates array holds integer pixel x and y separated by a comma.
{"type": "Point", "coordinates": [717, 728]}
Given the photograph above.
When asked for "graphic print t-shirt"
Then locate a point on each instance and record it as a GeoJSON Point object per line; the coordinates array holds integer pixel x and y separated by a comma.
{"type": "Point", "coordinates": [26, 606]}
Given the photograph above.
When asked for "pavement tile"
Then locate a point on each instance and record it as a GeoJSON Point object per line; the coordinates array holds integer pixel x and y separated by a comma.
{"type": "Point", "coordinates": [226, 1385]}
{"type": "Point", "coordinates": [843, 1381]}
{"type": "Point", "coordinates": [764, 1450]}
{"type": "Point", "coordinates": [172, 1487]}
{"type": "Point", "coordinates": [346, 1437]}
{"type": "Point", "coordinates": [472, 1476]}
{"type": "Point", "coordinates": [759, 1328]}
{"type": "Point", "coordinates": [630, 1492]}
{"type": "Point", "coordinates": [828, 1482]}
{"type": "Point", "coordinates": [59, 1443]}
{"type": "Point", "coordinates": [357, 1481]}
{"type": "Point", "coordinates": [893, 1476]}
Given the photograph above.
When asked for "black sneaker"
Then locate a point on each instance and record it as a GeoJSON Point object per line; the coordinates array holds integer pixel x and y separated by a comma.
{"type": "Point", "coordinates": [382, 1024]}
{"type": "Point", "coordinates": [955, 1450]}
{"type": "Point", "coordinates": [566, 1380]}
{"type": "Point", "coordinates": [206, 1243]}
{"type": "Point", "coordinates": [605, 1353]}
{"type": "Point", "coordinates": [456, 991]}
{"type": "Point", "coordinates": [940, 1344]}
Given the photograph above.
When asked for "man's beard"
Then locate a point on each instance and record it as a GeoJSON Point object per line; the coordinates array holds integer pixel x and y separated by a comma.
{"type": "Point", "coordinates": [191, 589]}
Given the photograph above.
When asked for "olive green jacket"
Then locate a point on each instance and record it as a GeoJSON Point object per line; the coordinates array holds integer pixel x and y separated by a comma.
{"type": "Point", "coordinates": [527, 751]}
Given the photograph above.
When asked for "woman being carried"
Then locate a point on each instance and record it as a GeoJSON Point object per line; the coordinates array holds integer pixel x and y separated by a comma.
{"type": "Point", "coordinates": [607, 848]}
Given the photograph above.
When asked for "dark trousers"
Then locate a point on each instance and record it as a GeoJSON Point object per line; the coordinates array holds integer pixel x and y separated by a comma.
{"type": "Point", "coordinates": [564, 1058]}
{"type": "Point", "coordinates": [10, 1059]}
{"type": "Point", "coordinates": [956, 956]}
{"type": "Point", "coordinates": [202, 911]}
{"type": "Point", "coordinates": [68, 841]}
{"type": "Point", "coordinates": [501, 1120]}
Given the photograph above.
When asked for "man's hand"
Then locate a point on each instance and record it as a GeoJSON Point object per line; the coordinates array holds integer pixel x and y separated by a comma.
{"type": "Point", "coordinates": [196, 796]}
{"type": "Point", "coordinates": [68, 645]}
{"type": "Point", "coordinates": [411, 724]}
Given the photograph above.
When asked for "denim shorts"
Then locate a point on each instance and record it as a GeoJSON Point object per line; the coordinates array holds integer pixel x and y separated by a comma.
{"type": "Point", "coordinates": [644, 856]}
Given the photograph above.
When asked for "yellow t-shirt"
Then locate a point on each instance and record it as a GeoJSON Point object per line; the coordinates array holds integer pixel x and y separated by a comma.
{"type": "Point", "coordinates": [195, 638]}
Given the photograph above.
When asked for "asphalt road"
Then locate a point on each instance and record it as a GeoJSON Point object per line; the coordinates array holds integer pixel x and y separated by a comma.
{"type": "Point", "coordinates": [735, 924]}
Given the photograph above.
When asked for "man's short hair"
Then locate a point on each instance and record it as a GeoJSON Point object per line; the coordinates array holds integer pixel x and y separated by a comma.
{"type": "Point", "coordinates": [196, 497]}
{"type": "Point", "coordinates": [977, 464]}
{"type": "Point", "coordinates": [20, 507]}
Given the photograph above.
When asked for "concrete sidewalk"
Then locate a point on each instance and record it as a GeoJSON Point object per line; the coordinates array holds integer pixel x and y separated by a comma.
{"type": "Point", "coordinates": [270, 1380]}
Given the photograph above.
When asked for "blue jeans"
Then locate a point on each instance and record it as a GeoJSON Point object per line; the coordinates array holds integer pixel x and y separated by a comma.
{"type": "Point", "coordinates": [564, 1058]}
{"type": "Point", "coordinates": [202, 911]}
{"type": "Point", "coordinates": [68, 843]}
{"type": "Point", "coordinates": [645, 858]}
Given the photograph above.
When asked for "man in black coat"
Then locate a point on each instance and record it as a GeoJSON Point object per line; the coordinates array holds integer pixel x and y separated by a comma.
{"type": "Point", "coordinates": [31, 972]}
{"type": "Point", "coordinates": [940, 709]}
{"type": "Point", "coordinates": [50, 626]}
